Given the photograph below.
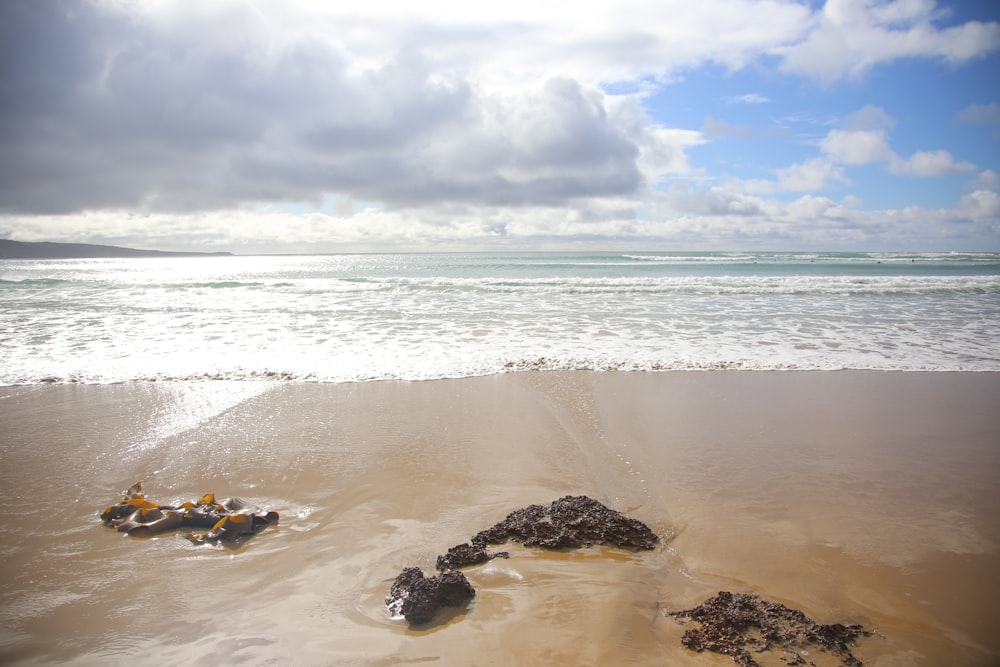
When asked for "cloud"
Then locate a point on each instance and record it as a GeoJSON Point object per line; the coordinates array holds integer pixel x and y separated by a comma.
{"type": "Point", "coordinates": [208, 108]}
{"type": "Point", "coordinates": [869, 118]}
{"type": "Point", "coordinates": [929, 163]}
{"type": "Point", "coordinates": [681, 216]}
{"type": "Point", "coordinates": [810, 176]}
{"type": "Point", "coordinates": [986, 180]}
{"type": "Point", "coordinates": [749, 98]}
{"type": "Point", "coordinates": [720, 129]}
{"type": "Point", "coordinates": [857, 146]}
{"type": "Point", "coordinates": [981, 114]}
{"type": "Point", "coordinates": [867, 141]}
{"type": "Point", "coordinates": [853, 36]}
{"type": "Point", "coordinates": [863, 139]}
{"type": "Point", "coordinates": [450, 121]}
{"type": "Point", "coordinates": [162, 120]}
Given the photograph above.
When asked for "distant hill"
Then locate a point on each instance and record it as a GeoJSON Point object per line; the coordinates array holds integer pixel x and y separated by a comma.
{"type": "Point", "coordinates": [45, 250]}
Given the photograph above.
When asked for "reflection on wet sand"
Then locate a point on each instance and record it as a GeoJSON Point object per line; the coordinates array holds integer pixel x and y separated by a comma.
{"type": "Point", "coordinates": [856, 497]}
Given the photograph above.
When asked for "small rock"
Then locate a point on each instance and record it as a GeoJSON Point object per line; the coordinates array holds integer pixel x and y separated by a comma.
{"type": "Point", "coordinates": [419, 598]}
{"type": "Point", "coordinates": [465, 554]}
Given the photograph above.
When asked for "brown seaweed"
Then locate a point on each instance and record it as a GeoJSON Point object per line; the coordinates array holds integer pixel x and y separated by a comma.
{"type": "Point", "coordinates": [735, 624]}
{"type": "Point", "coordinates": [230, 520]}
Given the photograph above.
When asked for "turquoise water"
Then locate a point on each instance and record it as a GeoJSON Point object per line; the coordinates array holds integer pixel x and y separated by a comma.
{"type": "Point", "coordinates": [421, 316]}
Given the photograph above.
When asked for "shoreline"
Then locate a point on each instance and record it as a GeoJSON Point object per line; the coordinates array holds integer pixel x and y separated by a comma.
{"type": "Point", "coordinates": [855, 496]}
{"type": "Point", "coordinates": [281, 377]}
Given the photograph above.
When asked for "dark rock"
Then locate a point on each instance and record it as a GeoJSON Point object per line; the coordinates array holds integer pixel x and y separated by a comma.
{"type": "Point", "coordinates": [419, 598]}
{"type": "Point", "coordinates": [569, 523]}
{"type": "Point", "coordinates": [465, 554]}
{"type": "Point", "coordinates": [733, 622]}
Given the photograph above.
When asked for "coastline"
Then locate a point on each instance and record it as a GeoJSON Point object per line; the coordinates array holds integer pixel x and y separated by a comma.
{"type": "Point", "coordinates": [856, 496]}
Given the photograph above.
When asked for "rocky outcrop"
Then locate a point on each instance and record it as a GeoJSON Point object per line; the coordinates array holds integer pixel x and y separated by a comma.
{"type": "Point", "coordinates": [735, 624]}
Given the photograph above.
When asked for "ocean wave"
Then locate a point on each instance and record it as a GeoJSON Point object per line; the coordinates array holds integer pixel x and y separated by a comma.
{"type": "Point", "coordinates": [979, 259]}
{"type": "Point", "coordinates": [525, 365]}
{"type": "Point", "coordinates": [707, 285]}
{"type": "Point", "coordinates": [218, 284]}
{"type": "Point", "coordinates": [695, 259]}
{"type": "Point", "coordinates": [31, 283]}
{"type": "Point", "coordinates": [819, 285]}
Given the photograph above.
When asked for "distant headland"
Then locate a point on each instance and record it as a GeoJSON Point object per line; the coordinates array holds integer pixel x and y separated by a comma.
{"type": "Point", "coordinates": [46, 250]}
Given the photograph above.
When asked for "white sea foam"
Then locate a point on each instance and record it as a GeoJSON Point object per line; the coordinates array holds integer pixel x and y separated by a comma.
{"type": "Point", "coordinates": [344, 318]}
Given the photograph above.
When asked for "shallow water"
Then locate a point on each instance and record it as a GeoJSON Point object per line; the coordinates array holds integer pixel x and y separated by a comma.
{"type": "Point", "coordinates": [856, 497]}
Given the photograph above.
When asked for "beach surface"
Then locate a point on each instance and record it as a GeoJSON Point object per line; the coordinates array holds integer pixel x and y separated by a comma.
{"type": "Point", "coordinates": [856, 496]}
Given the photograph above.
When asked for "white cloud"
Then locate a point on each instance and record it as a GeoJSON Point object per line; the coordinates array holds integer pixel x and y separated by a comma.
{"type": "Point", "coordinates": [986, 180]}
{"type": "Point", "coordinates": [867, 141]}
{"type": "Point", "coordinates": [857, 146]}
{"type": "Point", "coordinates": [810, 176]}
{"type": "Point", "coordinates": [749, 98]}
{"type": "Point", "coordinates": [852, 36]}
{"type": "Point", "coordinates": [981, 206]}
{"type": "Point", "coordinates": [869, 118]}
{"type": "Point", "coordinates": [863, 139]}
{"type": "Point", "coordinates": [929, 163]}
{"type": "Point", "coordinates": [681, 216]}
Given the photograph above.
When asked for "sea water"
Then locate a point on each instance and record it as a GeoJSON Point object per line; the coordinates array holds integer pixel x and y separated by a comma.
{"type": "Point", "coordinates": [334, 318]}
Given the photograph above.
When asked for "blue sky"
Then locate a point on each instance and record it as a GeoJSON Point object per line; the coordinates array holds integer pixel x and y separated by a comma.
{"type": "Point", "coordinates": [298, 126]}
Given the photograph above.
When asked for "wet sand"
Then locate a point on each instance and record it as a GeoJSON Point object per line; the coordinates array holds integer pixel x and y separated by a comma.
{"type": "Point", "coordinates": [861, 497]}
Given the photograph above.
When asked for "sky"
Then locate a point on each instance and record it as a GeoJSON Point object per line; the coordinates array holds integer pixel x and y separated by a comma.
{"type": "Point", "coordinates": [258, 126]}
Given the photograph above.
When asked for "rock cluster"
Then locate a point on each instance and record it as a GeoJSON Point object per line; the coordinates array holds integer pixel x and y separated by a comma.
{"type": "Point", "coordinates": [733, 624]}
{"type": "Point", "coordinates": [571, 522]}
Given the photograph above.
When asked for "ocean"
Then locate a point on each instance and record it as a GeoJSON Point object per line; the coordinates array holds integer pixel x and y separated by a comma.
{"type": "Point", "coordinates": [337, 318]}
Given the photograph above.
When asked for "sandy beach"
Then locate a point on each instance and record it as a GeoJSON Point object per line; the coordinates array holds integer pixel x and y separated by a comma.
{"type": "Point", "coordinates": [856, 496]}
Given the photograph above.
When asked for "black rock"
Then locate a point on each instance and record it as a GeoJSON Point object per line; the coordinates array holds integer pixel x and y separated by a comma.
{"type": "Point", "coordinates": [569, 523]}
{"type": "Point", "coordinates": [735, 624]}
{"type": "Point", "coordinates": [419, 598]}
{"type": "Point", "coordinates": [465, 554]}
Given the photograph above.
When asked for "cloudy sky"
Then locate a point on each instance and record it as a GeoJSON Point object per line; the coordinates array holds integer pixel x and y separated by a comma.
{"type": "Point", "coordinates": [308, 125]}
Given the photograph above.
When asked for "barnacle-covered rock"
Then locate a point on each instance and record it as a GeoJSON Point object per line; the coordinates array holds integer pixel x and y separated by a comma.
{"type": "Point", "coordinates": [418, 598]}
{"type": "Point", "coordinates": [733, 624]}
{"type": "Point", "coordinates": [570, 523]}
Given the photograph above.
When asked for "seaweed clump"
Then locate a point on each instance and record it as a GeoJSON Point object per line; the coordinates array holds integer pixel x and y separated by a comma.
{"type": "Point", "coordinates": [734, 623]}
{"type": "Point", "coordinates": [230, 520]}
